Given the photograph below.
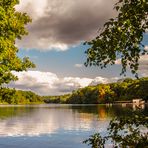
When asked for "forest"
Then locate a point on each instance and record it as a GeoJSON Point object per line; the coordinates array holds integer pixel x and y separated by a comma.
{"type": "Point", "coordinates": [123, 90]}
{"type": "Point", "coordinates": [12, 96]}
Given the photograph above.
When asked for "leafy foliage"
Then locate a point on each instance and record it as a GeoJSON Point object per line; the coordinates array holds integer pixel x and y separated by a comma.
{"type": "Point", "coordinates": [124, 132]}
{"type": "Point", "coordinates": [12, 96]}
{"type": "Point", "coordinates": [12, 27]}
{"type": "Point", "coordinates": [121, 37]}
{"type": "Point", "coordinates": [95, 141]}
{"type": "Point", "coordinates": [56, 99]}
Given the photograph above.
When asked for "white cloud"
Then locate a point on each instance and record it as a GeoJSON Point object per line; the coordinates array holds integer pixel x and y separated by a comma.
{"type": "Point", "coordinates": [78, 65]}
{"type": "Point", "coordinates": [37, 77]}
{"type": "Point", "coordinates": [58, 24]}
{"type": "Point", "coordinates": [47, 83]}
{"type": "Point", "coordinates": [82, 82]}
{"type": "Point", "coordinates": [143, 64]}
{"type": "Point", "coordinates": [118, 62]}
{"type": "Point", "coordinates": [98, 80]}
{"type": "Point", "coordinates": [146, 47]}
{"type": "Point", "coordinates": [35, 8]}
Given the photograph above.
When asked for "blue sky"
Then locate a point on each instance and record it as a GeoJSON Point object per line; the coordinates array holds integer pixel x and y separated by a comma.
{"type": "Point", "coordinates": [55, 44]}
{"type": "Point", "coordinates": [64, 63]}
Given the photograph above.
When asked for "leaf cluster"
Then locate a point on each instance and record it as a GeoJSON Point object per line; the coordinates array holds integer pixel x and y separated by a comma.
{"type": "Point", "coordinates": [121, 37]}
{"type": "Point", "coordinates": [12, 27]}
{"type": "Point", "coordinates": [123, 132]}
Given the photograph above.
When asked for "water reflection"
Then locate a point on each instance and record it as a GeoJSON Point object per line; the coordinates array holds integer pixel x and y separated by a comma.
{"type": "Point", "coordinates": [30, 121]}
{"type": "Point", "coordinates": [48, 119]}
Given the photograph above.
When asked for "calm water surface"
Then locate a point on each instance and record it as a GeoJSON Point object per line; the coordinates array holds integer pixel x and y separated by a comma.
{"type": "Point", "coordinates": [54, 126]}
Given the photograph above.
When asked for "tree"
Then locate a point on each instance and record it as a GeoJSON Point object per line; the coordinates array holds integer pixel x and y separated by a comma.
{"type": "Point", "coordinates": [12, 27]}
{"type": "Point", "coordinates": [121, 38]}
{"type": "Point", "coordinates": [124, 132]}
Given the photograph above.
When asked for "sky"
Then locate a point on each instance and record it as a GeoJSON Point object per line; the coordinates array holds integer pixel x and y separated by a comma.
{"type": "Point", "coordinates": [55, 44]}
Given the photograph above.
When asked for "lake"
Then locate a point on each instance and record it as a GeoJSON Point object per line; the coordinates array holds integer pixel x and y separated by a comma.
{"type": "Point", "coordinates": [54, 126]}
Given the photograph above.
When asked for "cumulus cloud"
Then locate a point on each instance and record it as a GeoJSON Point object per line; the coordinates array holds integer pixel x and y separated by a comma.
{"type": "Point", "coordinates": [146, 47]}
{"type": "Point", "coordinates": [99, 80]}
{"type": "Point", "coordinates": [58, 24]}
{"type": "Point", "coordinates": [35, 8]}
{"type": "Point", "coordinates": [47, 83]}
{"type": "Point", "coordinates": [78, 65]}
{"type": "Point", "coordinates": [143, 64]}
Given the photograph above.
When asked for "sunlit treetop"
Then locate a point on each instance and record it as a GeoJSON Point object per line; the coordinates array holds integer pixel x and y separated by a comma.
{"type": "Point", "coordinates": [121, 37]}
{"type": "Point", "coordinates": [12, 27]}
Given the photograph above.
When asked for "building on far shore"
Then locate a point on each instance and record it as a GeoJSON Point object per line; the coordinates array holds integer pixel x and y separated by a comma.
{"type": "Point", "coordinates": [138, 101]}
{"type": "Point", "coordinates": [135, 103]}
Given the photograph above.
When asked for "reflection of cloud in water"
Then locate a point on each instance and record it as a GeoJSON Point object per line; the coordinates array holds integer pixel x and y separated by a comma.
{"type": "Point", "coordinates": [47, 121]}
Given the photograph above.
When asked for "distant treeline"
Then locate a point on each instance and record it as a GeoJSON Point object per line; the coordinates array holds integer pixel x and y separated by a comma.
{"type": "Point", "coordinates": [123, 90]}
{"type": "Point", "coordinates": [12, 96]}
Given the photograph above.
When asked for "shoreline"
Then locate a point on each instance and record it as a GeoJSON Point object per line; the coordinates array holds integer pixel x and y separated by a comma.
{"type": "Point", "coordinates": [43, 103]}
